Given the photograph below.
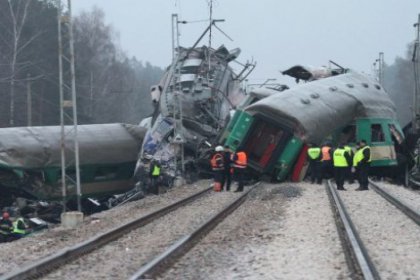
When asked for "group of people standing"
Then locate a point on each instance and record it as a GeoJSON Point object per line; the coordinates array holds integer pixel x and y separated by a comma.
{"type": "Point", "coordinates": [224, 164]}
{"type": "Point", "coordinates": [342, 163]}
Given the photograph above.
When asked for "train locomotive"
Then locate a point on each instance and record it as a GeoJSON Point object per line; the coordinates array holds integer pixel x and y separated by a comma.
{"type": "Point", "coordinates": [339, 105]}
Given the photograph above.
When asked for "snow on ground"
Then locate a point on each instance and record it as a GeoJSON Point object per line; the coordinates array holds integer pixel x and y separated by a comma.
{"type": "Point", "coordinates": [391, 238]}
{"type": "Point", "coordinates": [284, 231]}
{"type": "Point", "coordinates": [407, 196]}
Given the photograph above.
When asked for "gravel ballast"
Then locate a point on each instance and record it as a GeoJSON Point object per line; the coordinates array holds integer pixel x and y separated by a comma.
{"type": "Point", "coordinates": [41, 244]}
{"type": "Point", "coordinates": [123, 257]}
{"type": "Point", "coordinates": [391, 238]}
{"type": "Point", "coordinates": [283, 231]}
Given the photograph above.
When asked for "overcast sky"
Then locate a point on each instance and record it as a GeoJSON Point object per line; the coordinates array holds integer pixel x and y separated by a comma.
{"type": "Point", "coordinates": [275, 33]}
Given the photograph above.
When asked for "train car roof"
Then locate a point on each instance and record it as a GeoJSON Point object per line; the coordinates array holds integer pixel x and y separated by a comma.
{"type": "Point", "coordinates": [315, 109]}
{"type": "Point", "coordinates": [39, 147]}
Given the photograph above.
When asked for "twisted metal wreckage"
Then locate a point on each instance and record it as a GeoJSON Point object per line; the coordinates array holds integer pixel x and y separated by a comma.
{"type": "Point", "coordinates": [194, 104]}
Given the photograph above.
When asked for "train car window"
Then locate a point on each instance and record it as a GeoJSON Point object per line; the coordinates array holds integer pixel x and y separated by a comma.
{"type": "Point", "coordinates": [377, 133]}
{"type": "Point", "coordinates": [395, 134]}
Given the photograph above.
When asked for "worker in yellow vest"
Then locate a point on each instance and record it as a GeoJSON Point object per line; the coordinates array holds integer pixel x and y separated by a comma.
{"type": "Point", "coordinates": [361, 162]}
{"type": "Point", "coordinates": [155, 171]}
{"type": "Point", "coordinates": [20, 228]}
{"type": "Point", "coordinates": [341, 161]}
{"type": "Point", "coordinates": [314, 159]}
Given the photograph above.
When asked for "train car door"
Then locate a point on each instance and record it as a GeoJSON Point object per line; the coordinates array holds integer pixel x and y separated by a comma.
{"type": "Point", "coordinates": [264, 143]}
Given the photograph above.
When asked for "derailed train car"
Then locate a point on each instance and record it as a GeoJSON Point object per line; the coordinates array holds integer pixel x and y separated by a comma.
{"type": "Point", "coordinates": [346, 106]}
{"type": "Point", "coordinates": [193, 102]}
{"type": "Point", "coordinates": [30, 159]}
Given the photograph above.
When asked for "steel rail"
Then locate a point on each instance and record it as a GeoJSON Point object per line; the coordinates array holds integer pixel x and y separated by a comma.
{"type": "Point", "coordinates": [164, 261]}
{"type": "Point", "coordinates": [407, 210]}
{"type": "Point", "coordinates": [68, 254]}
{"type": "Point", "coordinates": [358, 258]}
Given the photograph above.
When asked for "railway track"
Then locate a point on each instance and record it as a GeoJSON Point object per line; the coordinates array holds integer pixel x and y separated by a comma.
{"type": "Point", "coordinates": [49, 263]}
{"type": "Point", "coordinates": [379, 238]}
{"type": "Point", "coordinates": [357, 257]}
{"type": "Point", "coordinates": [165, 260]}
{"type": "Point", "coordinates": [405, 208]}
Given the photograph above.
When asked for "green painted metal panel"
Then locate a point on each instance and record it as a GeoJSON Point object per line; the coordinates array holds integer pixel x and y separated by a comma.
{"type": "Point", "coordinates": [239, 130]}
{"type": "Point", "coordinates": [288, 158]}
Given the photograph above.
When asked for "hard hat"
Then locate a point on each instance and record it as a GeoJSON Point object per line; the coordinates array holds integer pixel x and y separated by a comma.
{"type": "Point", "coordinates": [6, 215]}
{"type": "Point", "coordinates": [219, 149]}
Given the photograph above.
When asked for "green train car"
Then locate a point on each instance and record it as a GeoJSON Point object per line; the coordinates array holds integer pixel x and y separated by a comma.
{"type": "Point", "coordinates": [346, 107]}
{"type": "Point", "coordinates": [30, 160]}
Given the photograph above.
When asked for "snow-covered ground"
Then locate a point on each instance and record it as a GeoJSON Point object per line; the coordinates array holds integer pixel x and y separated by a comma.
{"type": "Point", "coordinates": [391, 238]}
{"type": "Point", "coordinates": [284, 231]}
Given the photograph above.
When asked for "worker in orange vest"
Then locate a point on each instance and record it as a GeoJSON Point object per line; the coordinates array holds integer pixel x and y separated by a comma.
{"type": "Point", "coordinates": [326, 161]}
{"type": "Point", "coordinates": [239, 164]}
{"type": "Point", "coordinates": [218, 167]}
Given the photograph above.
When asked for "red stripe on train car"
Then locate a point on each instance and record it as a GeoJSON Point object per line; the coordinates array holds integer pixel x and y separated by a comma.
{"type": "Point", "coordinates": [296, 175]}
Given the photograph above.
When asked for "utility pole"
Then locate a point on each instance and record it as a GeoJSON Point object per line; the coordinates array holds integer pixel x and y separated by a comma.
{"type": "Point", "coordinates": [381, 68]}
{"type": "Point", "coordinates": [68, 100]}
{"type": "Point", "coordinates": [29, 100]}
{"type": "Point", "coordinates": [379, 72]}
{"type": "Point", "coordinates": [415, 59]}
{"type": "Point", "coordinates": [177, 96]}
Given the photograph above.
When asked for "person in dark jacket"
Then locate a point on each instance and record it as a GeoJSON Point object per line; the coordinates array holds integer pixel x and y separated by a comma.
{"type": "Point", "coordinates": [227, 154]}
{"type": "Point", "coordinates": [341, 161]}
{"type": "Point", "coordinates": [361, 162]}
{"type": "Point", "coordinates": [314, 159]}
{"type": "Point", "coordinates": [239, 163]}
{"type": "Point", "coordinates": [6, 227]}
{"type": "Point", "coordinates": [155, 171]}
{"type": "Point", "coordinates": [218, 167]}
{"type": "Point", "coordinates": [326, 161]}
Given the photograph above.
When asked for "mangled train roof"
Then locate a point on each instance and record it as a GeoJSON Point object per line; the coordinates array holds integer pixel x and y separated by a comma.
{"type": "Point", "coordinates": [336, 101]}
{"type": "Point", "coordinates": [38, 147]}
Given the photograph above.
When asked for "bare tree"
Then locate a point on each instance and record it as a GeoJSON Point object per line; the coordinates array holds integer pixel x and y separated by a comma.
{"type": "Point", "coordinates": [18, 15]}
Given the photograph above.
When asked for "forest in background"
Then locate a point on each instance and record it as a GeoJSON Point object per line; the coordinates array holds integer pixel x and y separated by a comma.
{"type": "Point", "coordinates": [110, 86]}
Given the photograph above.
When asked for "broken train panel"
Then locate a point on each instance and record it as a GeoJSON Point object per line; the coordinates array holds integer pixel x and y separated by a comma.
{"type": "Point", "coordinates": [347, 107]}
{"type": "Point", "coordinates": [30, 159]}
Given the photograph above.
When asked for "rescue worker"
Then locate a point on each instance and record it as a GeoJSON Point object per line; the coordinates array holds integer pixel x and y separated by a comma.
{"type": "Point", "coordinates": [314, 158]}
{"type": "Point", "coordinates": [349, 174]}
{"type": "Point", "coordinates": [361, 162]}
{"type": "Point", "coordinates": [326, 161]}
{"type": "Point", "coordinates": [341, 160]}
{"type": "Point", "coordinates": [227, 164]}
{"type": "Point", "coordinates": [217, 165]}
{"type": "Point", "coordinates": [6, 227]}
{"type": "Point", "coordinates": [19, 228]}
{"type": "Point", "coordinates": [155, 169]}
{"type": "Point", "coordinates": [239, 163]}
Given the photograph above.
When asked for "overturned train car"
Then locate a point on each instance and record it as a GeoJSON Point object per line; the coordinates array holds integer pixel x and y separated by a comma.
{"type": "Point", "coordinates": [30, 159]}
{"type": "Point", "coordinates": [346, 106]}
